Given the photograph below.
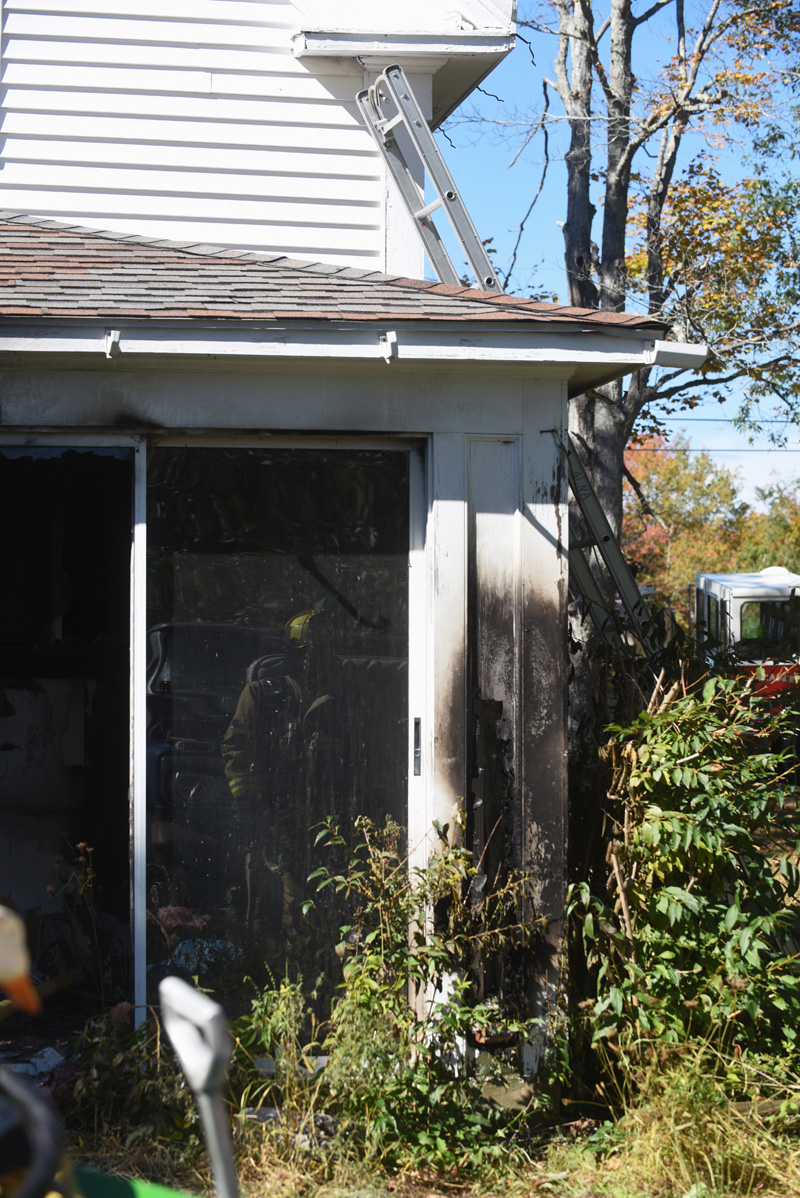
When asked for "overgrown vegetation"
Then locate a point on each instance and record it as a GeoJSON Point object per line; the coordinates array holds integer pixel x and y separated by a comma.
{"type": "Point", "coordinates": [677, 1050]}
{"type": "Point", "coordinates": [685, 946]}
{"type": "Point", "coordinates": [392, 1077]}
{"type": "Point", "coordinates": [409, 1015]}
{"type": "Point", "coordinates": [697, 933]}
{"type": "Point", "coordinates": [131, 1082]}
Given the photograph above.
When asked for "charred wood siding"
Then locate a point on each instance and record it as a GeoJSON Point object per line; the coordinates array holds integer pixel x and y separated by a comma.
{"type": "Point", "coordinates": [543, 689]}
{"type": "Point", "coordinates": [517, 679]}
{"type": "Point", "coordinates": [494, 501]}
{"type": "Point", "coordinates": [189, 121]}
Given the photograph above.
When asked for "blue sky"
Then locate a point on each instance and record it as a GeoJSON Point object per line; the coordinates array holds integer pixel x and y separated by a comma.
{"type": "Point", "coordinates": [498, 175]}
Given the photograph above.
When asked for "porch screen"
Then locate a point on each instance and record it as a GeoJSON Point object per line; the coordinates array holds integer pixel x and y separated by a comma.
{"type": "Point", "coordinates": [277, 695]}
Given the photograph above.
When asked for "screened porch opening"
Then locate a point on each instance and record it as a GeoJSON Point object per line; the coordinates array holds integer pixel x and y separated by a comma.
{"type": "Point", "coordinates": [277, 697]}
{"type": "Point", "coordinates": [65, 541]}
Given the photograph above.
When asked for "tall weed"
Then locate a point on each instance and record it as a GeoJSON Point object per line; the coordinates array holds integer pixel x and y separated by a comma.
{"type": "Point", "coordinates": [691, 930]}
{"type": "Point", "coordinates": [402, 1034]}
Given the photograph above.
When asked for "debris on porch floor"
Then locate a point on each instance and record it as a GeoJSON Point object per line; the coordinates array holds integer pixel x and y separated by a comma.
{"type": "Point", "coordinates": [38, 1045]}
{"type": "Point", "coordinates": [78, 973]}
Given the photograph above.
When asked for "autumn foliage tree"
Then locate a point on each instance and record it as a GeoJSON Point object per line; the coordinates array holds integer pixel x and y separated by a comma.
{"type": "Point", "coordinates": [772, 537]}
{"type": "Point", "coordinates": [684, 517]}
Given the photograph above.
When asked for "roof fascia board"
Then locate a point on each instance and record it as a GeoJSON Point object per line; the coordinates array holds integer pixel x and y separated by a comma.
{"type": "Point", "coordinates": [321, 43]}
{"type": "Point", "coordinates": [457, 61]}
{"type": "Point", "coordinates": [388, 340]}
{"type": "Point", "coordinates": [413, 15]}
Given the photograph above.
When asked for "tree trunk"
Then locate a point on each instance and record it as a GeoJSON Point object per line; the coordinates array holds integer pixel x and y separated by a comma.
{"type": "Point", "coordinates": [574, 75]}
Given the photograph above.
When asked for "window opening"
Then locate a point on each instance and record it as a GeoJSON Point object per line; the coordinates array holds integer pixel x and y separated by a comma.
{"type": "Point", "coordinates": [64, 722]}
{"type": "Point", "coordinates": [769, 629]}
{"type": "Point", "coordinates": [713, 620]}
{"type": "Point", "coordinates": [699, 617]}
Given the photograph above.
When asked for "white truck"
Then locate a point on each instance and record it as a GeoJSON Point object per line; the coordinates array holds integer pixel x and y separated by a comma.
{"type": "Point", "coordinates": [752, 619]}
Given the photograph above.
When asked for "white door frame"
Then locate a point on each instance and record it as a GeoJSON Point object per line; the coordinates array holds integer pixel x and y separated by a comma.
{"type": "Point", "coordinates": [419, 692]}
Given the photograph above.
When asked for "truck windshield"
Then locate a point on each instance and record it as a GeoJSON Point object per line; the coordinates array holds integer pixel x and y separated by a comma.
{"type": "Point", "coordinates": [769, 629]}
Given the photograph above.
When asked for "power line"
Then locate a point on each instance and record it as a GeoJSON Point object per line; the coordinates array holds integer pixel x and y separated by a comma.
{"type": "Point", "coordinates": [685, 449]}
{"type": "Point", "coordinates": [716, 420]}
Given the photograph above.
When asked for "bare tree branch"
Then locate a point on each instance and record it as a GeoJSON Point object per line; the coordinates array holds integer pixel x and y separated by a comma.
{"type": "Point", "coordinates": [543, 127]}
{"type": "Point", "coordinates": [617, 123]}
{"type": "Point", "coordinates": [644, 17]}
{"type": "Point", "coordinates": [643, 503]}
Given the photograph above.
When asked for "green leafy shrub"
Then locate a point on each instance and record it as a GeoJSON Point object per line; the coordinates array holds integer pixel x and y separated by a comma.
{"type": "Point", "coordinates": [399, 1067]}
{"type": "Point", "coordinates": [130, 1081]}
{"type": "Point", "coordinates": [276, 1058]}
{"type": "Point", "coordinates": [694, 933]}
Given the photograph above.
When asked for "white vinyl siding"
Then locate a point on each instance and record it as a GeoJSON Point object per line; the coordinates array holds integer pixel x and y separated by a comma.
{"type": "Point", "coordinates": [187, 120]}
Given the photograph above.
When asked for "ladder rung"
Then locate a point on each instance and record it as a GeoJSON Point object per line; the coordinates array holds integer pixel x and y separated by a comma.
{"type": "Point", "coordinates": [603, 539]}
{"type": "Point", "coordinates": [385, 127]}
{"type": "Point", "coordinates": [428, 209]}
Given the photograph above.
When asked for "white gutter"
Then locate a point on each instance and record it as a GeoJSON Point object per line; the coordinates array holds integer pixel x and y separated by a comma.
{"type": "Point", "coordinates": [684, 354]}
{"type": "Point", "coordinates": [386, 341]}
{"type": "Point", "coordinates": [319, 43]}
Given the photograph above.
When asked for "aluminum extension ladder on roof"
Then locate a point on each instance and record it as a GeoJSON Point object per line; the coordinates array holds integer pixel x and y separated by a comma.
{"type": "Point", "coordinates": [602, 538]}
{"type": "Point", "coordinates": [389, 107]}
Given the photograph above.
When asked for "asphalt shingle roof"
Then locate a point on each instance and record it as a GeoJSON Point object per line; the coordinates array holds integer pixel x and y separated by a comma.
{"type": "Point", "coordinates": [54, 270]}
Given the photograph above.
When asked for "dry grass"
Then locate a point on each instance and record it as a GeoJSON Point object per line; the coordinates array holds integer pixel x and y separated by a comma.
{"type": "Point", "coordinates": [664, 1148]}
{"type": "Point", "coordinates": [695, 1124]}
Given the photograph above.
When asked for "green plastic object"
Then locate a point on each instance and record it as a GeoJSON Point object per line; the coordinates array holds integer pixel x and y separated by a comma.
{"type": "Point", "coordinates": [102, 1185]}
